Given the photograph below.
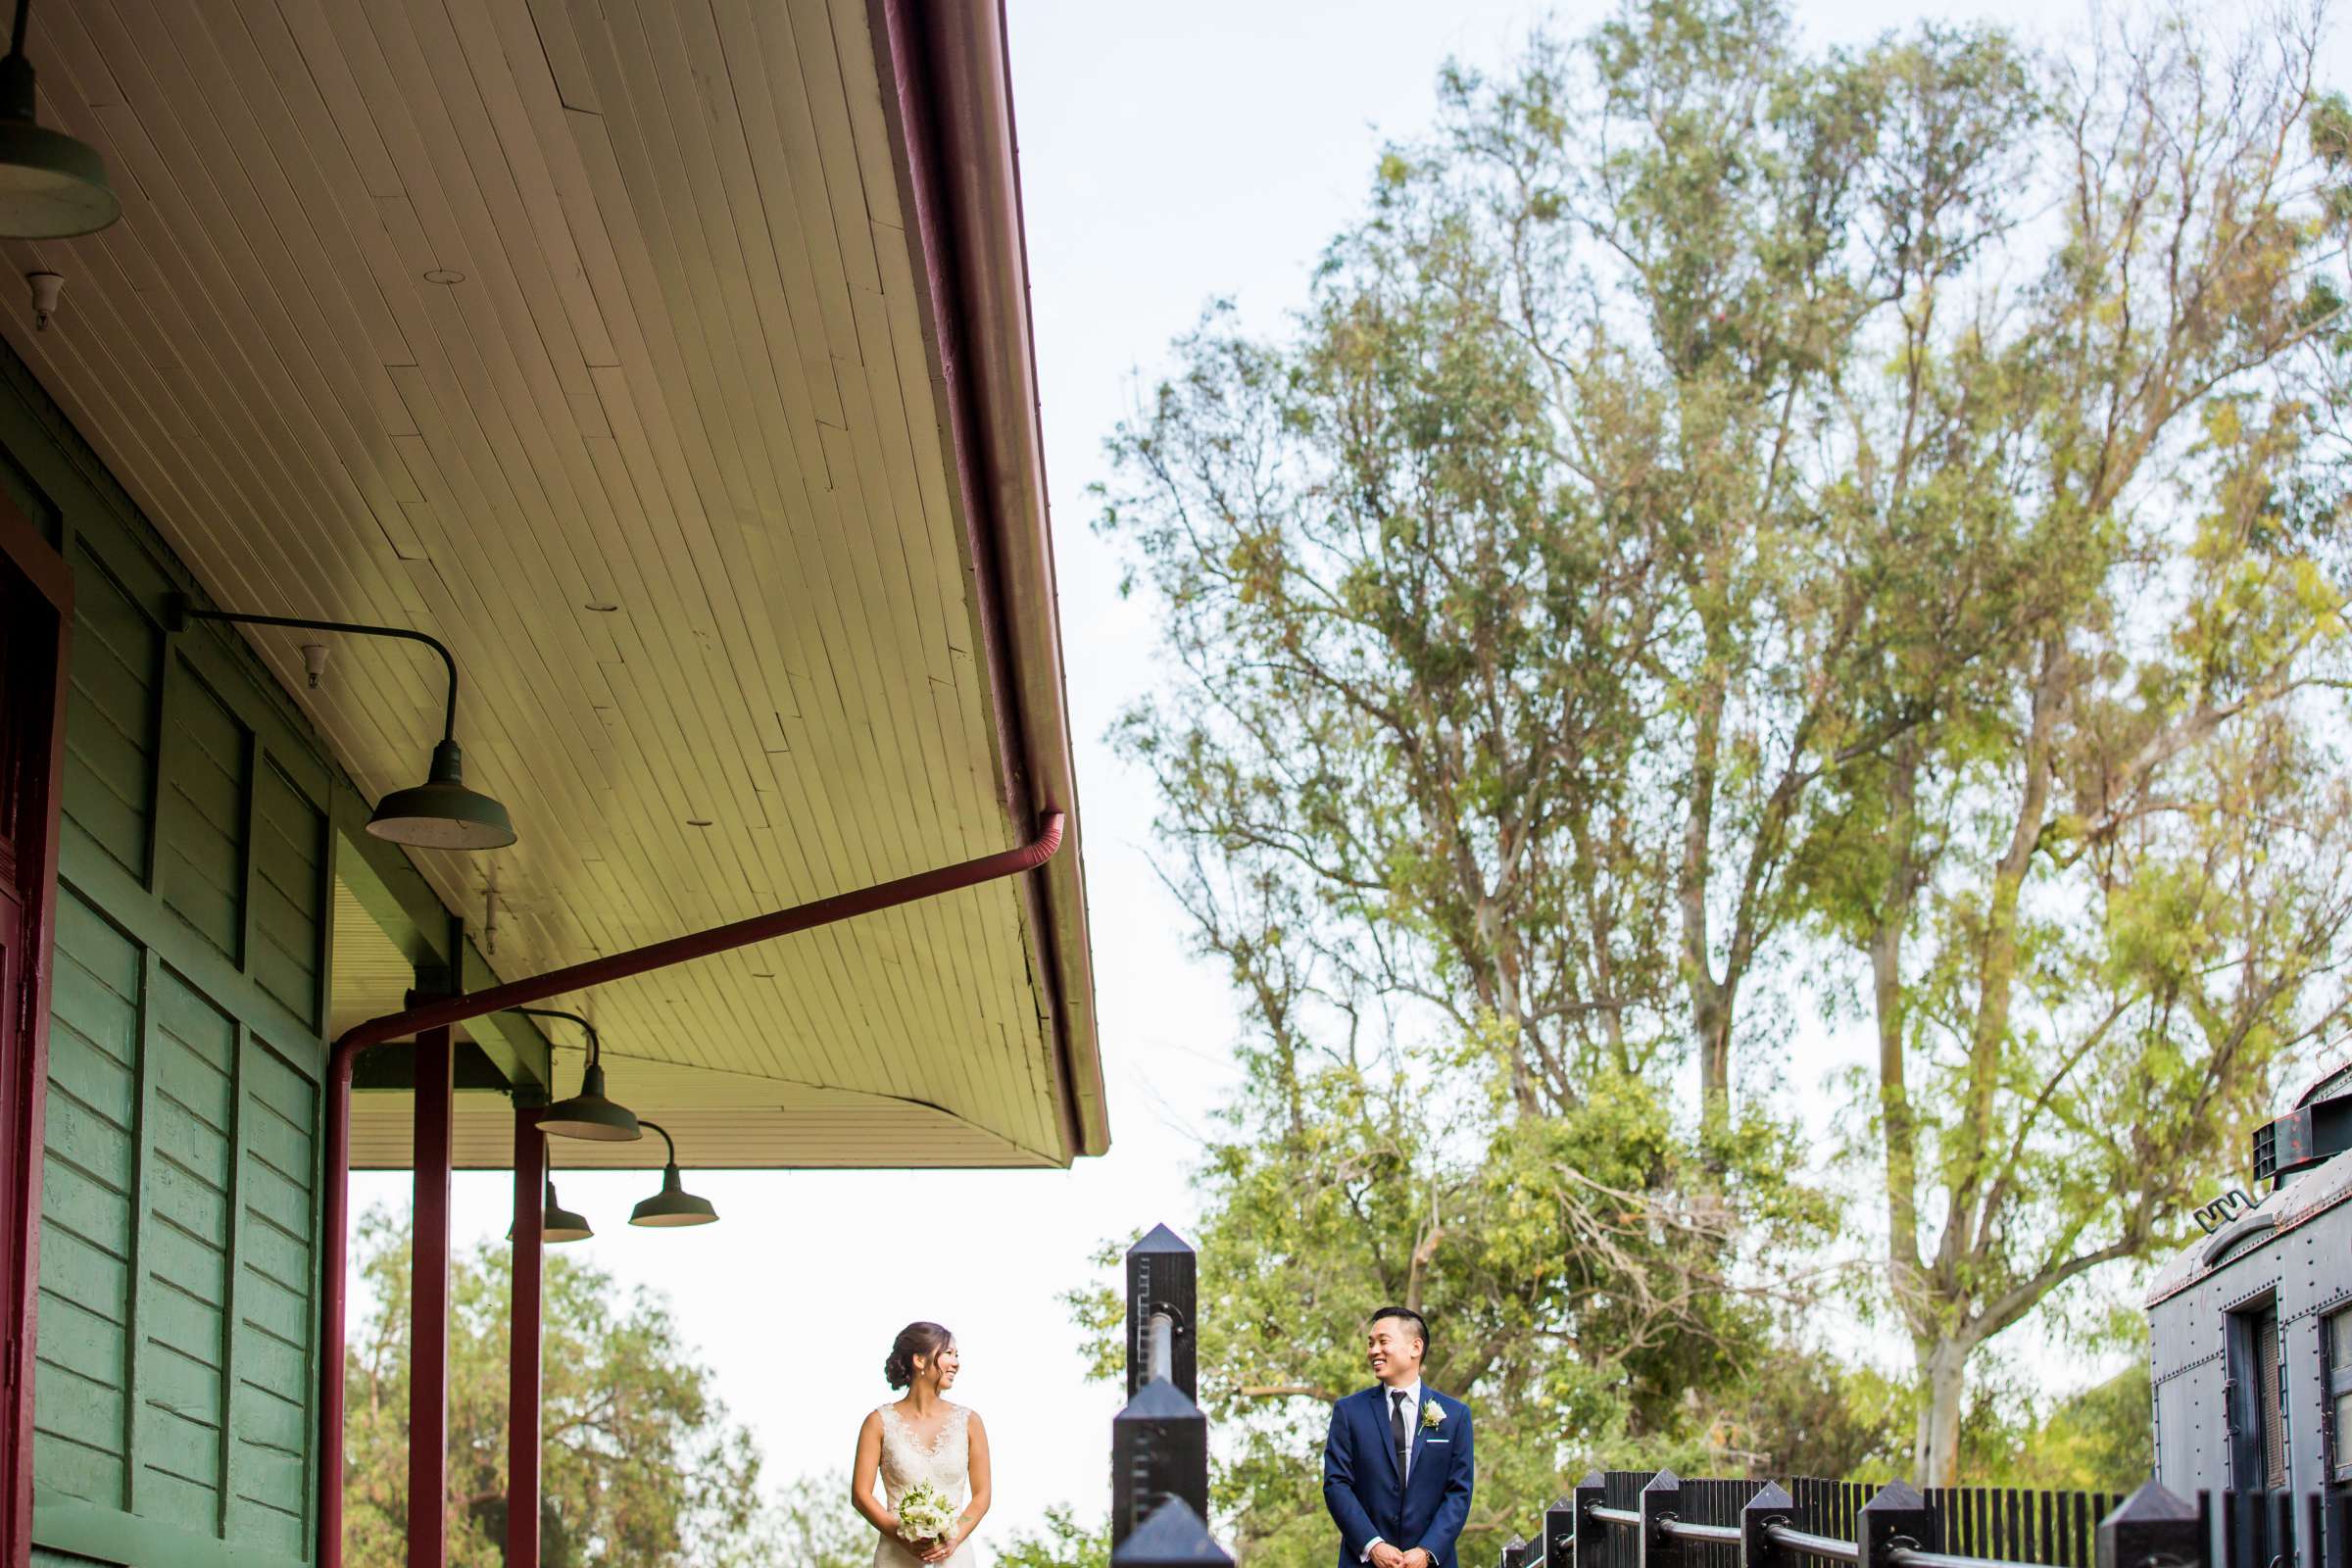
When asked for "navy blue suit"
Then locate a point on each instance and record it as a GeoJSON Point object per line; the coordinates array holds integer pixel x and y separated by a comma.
{"type": "Point", "coordinates": [1360, 1484]}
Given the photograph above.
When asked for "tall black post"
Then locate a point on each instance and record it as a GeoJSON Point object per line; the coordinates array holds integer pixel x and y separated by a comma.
{"type": "Point", "coordinates": [1159, 1442]}
{"type": "Point", "coordinates": [1162, 1278]}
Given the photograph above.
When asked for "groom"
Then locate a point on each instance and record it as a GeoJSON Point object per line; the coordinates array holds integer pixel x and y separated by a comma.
{"type": "Point", "coordinates": [1397, 1468]}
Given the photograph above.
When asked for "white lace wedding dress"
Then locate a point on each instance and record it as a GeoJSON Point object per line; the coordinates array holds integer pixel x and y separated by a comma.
{"type": "Point", "coordinates": [945, 1462]}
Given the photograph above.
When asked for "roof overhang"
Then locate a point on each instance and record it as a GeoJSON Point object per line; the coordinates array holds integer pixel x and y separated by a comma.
{"type": "Point", "coordinates": [674, 365]}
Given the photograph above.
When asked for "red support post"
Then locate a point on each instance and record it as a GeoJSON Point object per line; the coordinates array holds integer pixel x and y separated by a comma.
{"type": "Point", "coordinates": [428, 1305]}
{"type": "Point", "coordinates": [522, 1361]}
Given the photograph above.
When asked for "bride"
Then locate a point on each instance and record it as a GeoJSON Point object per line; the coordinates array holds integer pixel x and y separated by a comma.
{"type": "Point", "coordinates": [921, 1437]}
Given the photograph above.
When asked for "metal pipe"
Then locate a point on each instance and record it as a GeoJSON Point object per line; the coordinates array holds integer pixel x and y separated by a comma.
{"type": "Point", "coordinates": [1162, 1362]}
{"type": "Point", "coordinates": [178, 611]}
{"type": "Point", "coordinates": [522, 1360]}
{"type": "Point", "coordinates": [596, 1045]}
{"type": "Point", "coordinates": [428, 1305]}
{"type": "Point", "coordinates": [1713, 1535]}
{"type": "Point", "coordinates": [1915, 1557]}
{"type": "Point", "coordinates": [444, 1012]}
{"type": "Point", "coordinates": [1813, 1545]}
{"type": "Point", "coordinates": [1627, 1517]}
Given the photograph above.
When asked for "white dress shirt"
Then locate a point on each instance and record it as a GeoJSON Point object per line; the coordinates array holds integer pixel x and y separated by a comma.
{"type": "Point", "coordinates": [1413, 1426]}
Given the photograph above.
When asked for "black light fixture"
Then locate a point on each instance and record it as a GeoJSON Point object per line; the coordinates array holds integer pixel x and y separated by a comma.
{"type": "Point", "coordinates": [52, 186]}
{"type": "Point", "coordinates": [440, 813]}
{"type": "Point", "coordinates": [587, 1114]}
{"type": "Point", "coordinates": [558, 1224]}
{"type": "Point", "coordinates": [673, 1204]}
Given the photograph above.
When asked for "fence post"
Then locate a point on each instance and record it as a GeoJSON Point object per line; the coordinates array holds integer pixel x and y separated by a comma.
{"type": "Point", "coordinates": [1172, 1538]}
{"type": "Point", "coordinates": [1768, 1507]}
{"type": "Point", "coordinates": [1897, 1515]}
{"type": "Point", "coordinates": [1158, 1449]}
{"type": "Point", "coordinates": [2151, 1529]}
{"type": "Point", "coordinates": [1591, 1536]}
{"type": "Point", "coordinates": [1661, 1501]}
{"type": "Point", "coordinates": [1514, 1555]}
{"type": "Point", "coordinates": [1559, 1532]}
{"type": "Point", "coordinates": [1159, 1442]}
{"type": "Point", "coordinates": [1162, 1276]}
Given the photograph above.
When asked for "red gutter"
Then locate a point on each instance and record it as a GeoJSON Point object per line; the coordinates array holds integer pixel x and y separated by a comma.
{"type": "Point", "coordinates": [444, 1012]}
{"type": "Point", "coordinates": [523, 1356]}
{"type": "Point", "coordinates": [948, 97]}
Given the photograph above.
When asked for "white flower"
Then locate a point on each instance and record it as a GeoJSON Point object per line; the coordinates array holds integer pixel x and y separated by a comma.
{"type": "Point", "coordinates": [926, 1513]}
{"type": "Point", "coordinates": [1432, 1417]}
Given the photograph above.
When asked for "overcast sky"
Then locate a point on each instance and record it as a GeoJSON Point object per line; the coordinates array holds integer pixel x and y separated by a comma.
{"type": "Point", "coordinates": [1169, 153]}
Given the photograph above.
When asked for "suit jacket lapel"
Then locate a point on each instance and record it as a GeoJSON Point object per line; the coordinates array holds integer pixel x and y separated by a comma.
{"type": "Point", "coordinates": [1380, 1420]}
{"type": "Point", "coordinates": [1429, 1401]}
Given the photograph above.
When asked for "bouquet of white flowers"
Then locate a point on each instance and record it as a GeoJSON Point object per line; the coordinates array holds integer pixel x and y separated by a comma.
{"type": "Point", "coordinates": [926, 1513]}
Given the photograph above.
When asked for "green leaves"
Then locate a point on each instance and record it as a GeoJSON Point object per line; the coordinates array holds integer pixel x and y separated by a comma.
{"type": "Point", "coordinates": [640, 1465]}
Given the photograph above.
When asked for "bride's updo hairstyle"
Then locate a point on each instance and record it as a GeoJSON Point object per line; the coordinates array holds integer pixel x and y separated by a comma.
{"type": "Point", "coordinates": [925, 1340]}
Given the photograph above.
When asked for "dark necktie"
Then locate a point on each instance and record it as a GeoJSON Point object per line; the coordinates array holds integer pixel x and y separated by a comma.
{"type": "Point", "coordinates": [1405, 1449]}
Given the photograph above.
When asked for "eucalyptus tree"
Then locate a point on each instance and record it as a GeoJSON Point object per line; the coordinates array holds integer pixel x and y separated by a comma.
{"type": "Point", "coordinates": [1696, 438]}
{"type": "Point", "coordinates": [2102, 890]}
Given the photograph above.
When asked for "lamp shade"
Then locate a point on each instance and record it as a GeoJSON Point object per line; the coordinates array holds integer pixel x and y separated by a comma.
{"type": "Point", "coordinates": [442, 813]}
{"type": "Point", "coordinates": [557, 1223]}
{"type": "Point", "coordinates": [51, 185]}
{"type": "Point", "coordinates": [561, 1224]}
{"type": "Point", "coordinates": [589, 1114]}
{"type": "Point", "coordinates": [673, 1204]}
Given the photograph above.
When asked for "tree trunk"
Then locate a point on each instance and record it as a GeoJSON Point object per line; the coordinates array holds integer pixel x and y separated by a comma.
{"type": "Point", "coordinates": [1935, 1454]}
{"type": "Point", "coordinates": [1711, 1018]}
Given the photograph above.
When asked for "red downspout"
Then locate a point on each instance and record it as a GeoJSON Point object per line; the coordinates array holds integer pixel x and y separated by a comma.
{"type": "Point", "coordinates": [446, 1010]}
{"type": "Point", "coordinates": [428, 1303]}
{"type": "Point", "coordinates": [523, 1359]}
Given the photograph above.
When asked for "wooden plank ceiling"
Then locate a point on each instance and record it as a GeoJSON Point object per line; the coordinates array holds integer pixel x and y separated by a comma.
{"type": "Point", "coordinates": [584, 335]}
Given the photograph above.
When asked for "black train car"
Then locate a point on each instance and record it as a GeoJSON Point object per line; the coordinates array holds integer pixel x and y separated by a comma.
{"type": "Point", "coordinates": [2251, 1327]}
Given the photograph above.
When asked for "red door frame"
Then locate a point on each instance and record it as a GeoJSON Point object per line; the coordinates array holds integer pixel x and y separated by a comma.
{"type": "Point", "coordinates": [31, 767]}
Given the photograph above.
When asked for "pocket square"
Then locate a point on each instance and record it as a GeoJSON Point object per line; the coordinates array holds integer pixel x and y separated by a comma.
{"type": "Point", "coordinates": [1437, 1442]}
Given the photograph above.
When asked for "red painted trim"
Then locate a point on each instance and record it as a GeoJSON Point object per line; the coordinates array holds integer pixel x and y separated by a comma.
{"type": "Point", "coordinates": [25, 1081]}
{"type": "Point", "coordinates": [948, 97]}
{"type": "Point", "coordinates": [522, 1361]}
{"type": "Point", "coordinates": [428, 1303]}
{"type": "Point", "coordinates": [447, 1010]}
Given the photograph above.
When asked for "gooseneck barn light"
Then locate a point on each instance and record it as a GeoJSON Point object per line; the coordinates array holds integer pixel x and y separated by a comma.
{"type": "Point", "coordinates": [52, 186]}
{"type": "Point", "coordinates": [440, 813]}
{"type": "Point", "coordinates": [587, 1114]}
{"type": "Point", "coordinates": [673, 1204]}
{"type": "Point", "coordinates": [558, 1223]}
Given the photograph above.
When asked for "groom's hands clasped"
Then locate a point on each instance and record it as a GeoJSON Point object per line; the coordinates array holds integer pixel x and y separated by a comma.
{"type": "Point", "coordinates": [1385, 1556]}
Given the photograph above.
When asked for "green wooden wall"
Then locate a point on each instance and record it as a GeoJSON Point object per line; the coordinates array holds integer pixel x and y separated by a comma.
{"type": "Point", "coordinates": [175, 1356]}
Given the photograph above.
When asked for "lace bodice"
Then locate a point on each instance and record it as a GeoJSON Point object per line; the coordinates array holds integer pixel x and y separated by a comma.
{"type": "Point", "coordinates": [945, 1461]}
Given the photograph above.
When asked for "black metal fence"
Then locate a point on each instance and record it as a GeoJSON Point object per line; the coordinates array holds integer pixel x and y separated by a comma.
{"type": "Point", "coordinates": [1644, 1519]}
{"type": "Point", "coordinates": [1638, 1519]}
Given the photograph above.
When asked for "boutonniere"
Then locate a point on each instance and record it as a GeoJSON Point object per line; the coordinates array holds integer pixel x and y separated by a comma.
{"type": "Point", "coordinates": [1432, 1417]}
